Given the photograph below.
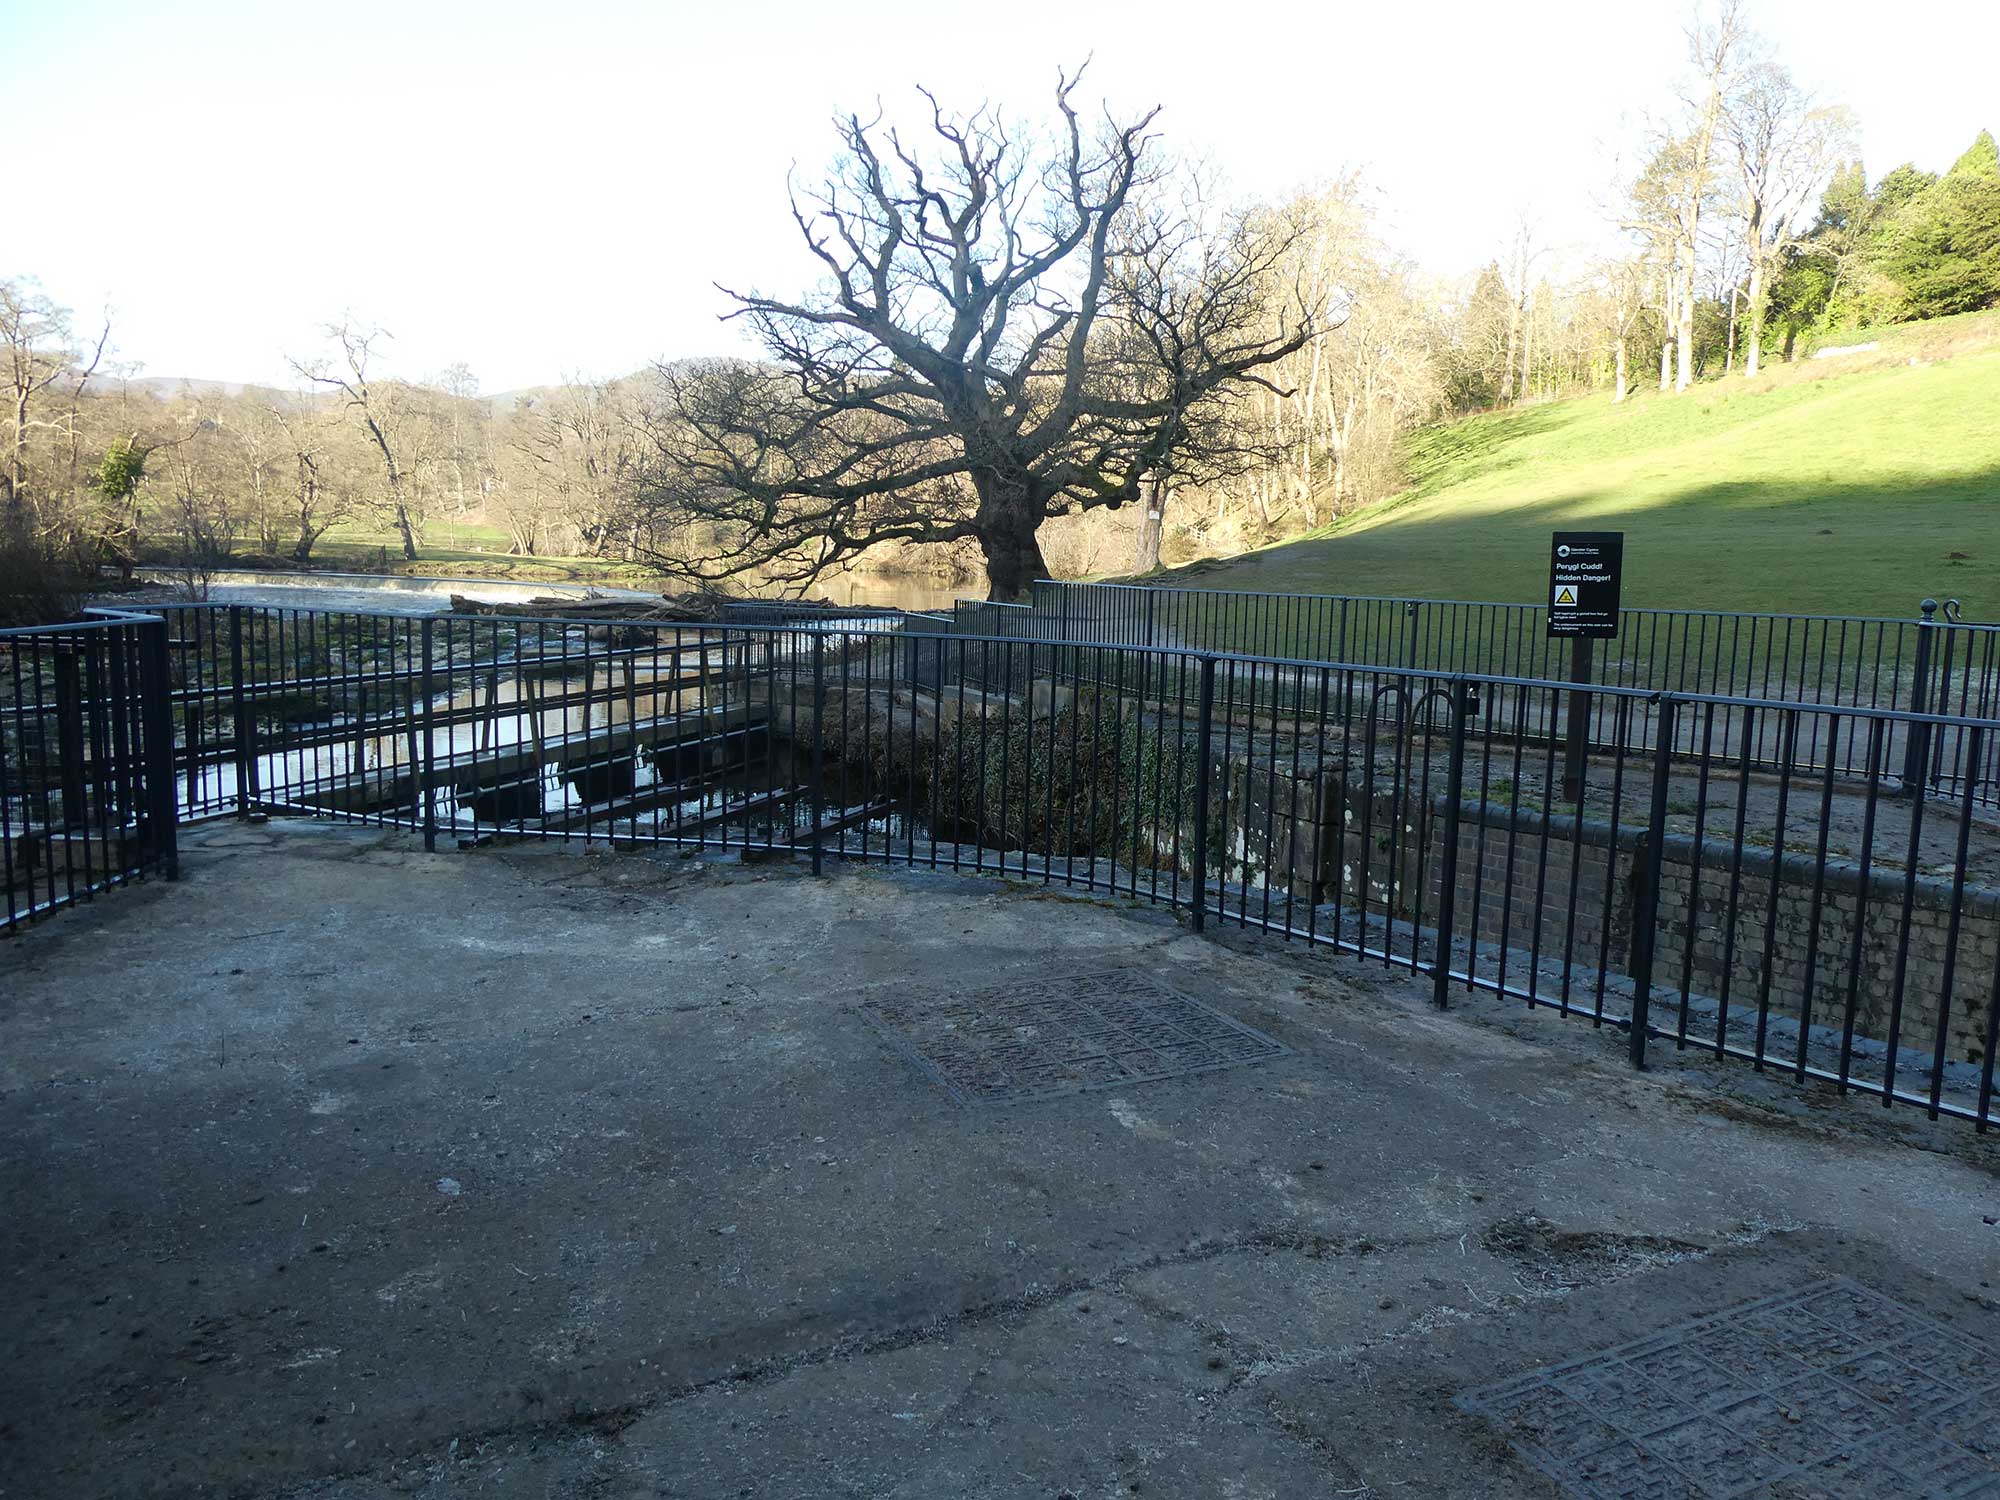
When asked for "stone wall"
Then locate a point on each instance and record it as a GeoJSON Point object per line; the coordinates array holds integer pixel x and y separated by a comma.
{"type": "Point", "coordinates": [1556, 886]}
{"type": "Point", "coordinates": [1728, 929]}
{"type": "Point", "coordinates": [1814, 962]}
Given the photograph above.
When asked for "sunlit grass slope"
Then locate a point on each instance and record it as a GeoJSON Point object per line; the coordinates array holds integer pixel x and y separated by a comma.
{"type": "Point", "coordinates": [1815, 488]}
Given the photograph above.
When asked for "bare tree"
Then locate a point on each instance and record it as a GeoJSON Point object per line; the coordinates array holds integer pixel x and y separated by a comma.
{"type": "Point", "coordinates": [372, 407]}
{"type": "Point", "coordinates": [581, 454]}
{"type": "Point", "coordinates": [1625, 292]}
{"type": "Point", "coordinates": [36, 336]}
{"type": "Point", "coordinates": [1521, 260]}
{"type": "Point", "coordinates": [1712, 49]}
{"type": "Point", "coordinates": [1190, 279]}
{"type": "Point", "coordinates": [1786, 151]}
{"type": "Point", "coordinates": [966, 371]}
{"type": "Point", "coordinates": [321, 480]}
{"type": "Point", "coordinates": [462, 424]}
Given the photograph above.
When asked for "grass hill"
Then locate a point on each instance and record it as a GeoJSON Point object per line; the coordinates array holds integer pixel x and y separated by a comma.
{"type": "Point", "coordinates": [1850, 484]}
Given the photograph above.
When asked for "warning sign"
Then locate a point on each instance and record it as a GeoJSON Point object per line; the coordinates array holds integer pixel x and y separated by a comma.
{"type": "Point", "coordinates": [1584, 577]}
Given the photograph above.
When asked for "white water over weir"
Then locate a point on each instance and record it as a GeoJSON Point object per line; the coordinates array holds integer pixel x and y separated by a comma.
{"type": "Point", "coordinates": [384, 593]}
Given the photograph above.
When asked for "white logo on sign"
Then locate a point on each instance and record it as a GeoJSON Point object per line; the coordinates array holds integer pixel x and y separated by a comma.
{"type": "Point", "coordinates": [1565, 597]}
{"type": "Point", "coordinates": [1563, 550]}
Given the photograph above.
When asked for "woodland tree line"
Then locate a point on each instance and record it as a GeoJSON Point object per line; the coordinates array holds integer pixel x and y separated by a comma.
{"type": "Point", "coordinates": [1006, 333]}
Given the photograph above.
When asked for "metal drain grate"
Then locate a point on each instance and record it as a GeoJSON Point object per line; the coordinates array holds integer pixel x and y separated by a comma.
{"type": "Point", "coordinates": [1831, 1392]}
{"type": "Point", "coordinates": [1059, 1036]}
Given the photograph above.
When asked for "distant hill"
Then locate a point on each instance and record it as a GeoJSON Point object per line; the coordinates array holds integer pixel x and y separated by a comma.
{"type": "Point", "coordinates": [1852, 483]}
{"type": "Point", "coordinates": [165, 387]}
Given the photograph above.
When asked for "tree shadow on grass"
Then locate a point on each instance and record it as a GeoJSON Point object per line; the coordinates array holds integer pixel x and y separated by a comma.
{"type": "Point", "coordinates": [1439, 456]}
{"type": "Point", "coordinates": [1806, 546]}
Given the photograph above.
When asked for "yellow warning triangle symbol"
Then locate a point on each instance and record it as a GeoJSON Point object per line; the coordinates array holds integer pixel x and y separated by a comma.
{"type": "Point", "coordinates": [1566, 597]}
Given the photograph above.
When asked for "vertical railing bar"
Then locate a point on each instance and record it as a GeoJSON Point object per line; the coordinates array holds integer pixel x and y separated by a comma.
{"type": "Point", "coordinates": [1811, 976]}
{"type": "Point", "coordinates": [1788, 743]}
{"type": "Point", "coordinates": [1649, 865]}
{"type": "Point", "coordinates": [1695, 864]}
{"type": "Point", "coordinates": [427, 771]}
{"type": "Point", "coordinates": [1454, 793]}
{"type": "Point", "coordinates": [1877, 743]}
{"type": "Point", "coordinates": [818, 799]}
{"type": "Point", "coordinates": [1949, 978]}
{"type": "Point", "coordinates": [1198, 878]}
{"type": "Point", "coordinates": [1748, 719]}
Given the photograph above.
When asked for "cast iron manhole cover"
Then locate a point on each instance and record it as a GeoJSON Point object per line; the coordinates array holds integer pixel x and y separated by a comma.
{"type": "Point", "coordinates": [1831, 1392]}
{"type": "Point", "coordinates": [1045, 1036]}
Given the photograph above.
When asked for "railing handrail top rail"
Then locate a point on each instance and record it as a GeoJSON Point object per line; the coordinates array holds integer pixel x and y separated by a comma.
{"type": "Point", "coordinates": [1632, 609]}
{"type": "Point", "coordinates": [1426, 674]}
{"type": "Point", "coordinates": [890, 611]}
{"type": "Point", "coordinates": [94, 619]}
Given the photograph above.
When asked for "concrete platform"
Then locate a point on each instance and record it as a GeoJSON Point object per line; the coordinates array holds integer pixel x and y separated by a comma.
{"type": "Point", "coordinates": [344, 1171]}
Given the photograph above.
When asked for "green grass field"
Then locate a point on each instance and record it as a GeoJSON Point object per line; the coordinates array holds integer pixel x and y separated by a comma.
{"type": "Point", "coordinates": [1823, 487]}
{"type": "Point", "coordinates": [464, 549]}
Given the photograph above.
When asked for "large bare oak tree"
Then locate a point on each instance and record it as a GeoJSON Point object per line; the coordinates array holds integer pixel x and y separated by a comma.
{"type": "Point", "coordinates": [999, 338]}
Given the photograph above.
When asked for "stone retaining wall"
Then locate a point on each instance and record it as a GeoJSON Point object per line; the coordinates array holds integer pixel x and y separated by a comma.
{"type": "Point", "coordinates": [1573, 892]}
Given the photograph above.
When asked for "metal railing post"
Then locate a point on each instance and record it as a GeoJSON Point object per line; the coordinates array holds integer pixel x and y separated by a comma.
{"type": "Point", "coordinates": [1340, 654]}
{"type": "Point", "coordinates": [1454, 793]}
{"type": "Point", "coordinates": [1204, 739]}
{"type": "Point", "coordinates": [69, 737]}
{"type": "Point", "coordinates": [1941, 701]}
{"type": "Point", "coordinates": [819, 749]}
{"type": "Point", "coordinates": [1576, 730]}
{"type": "Point", "coordinates": [157, 721]}
{"type": "Point", "coordinates": [239, 714]}
{"type": "Point", "coordinates": [1646, 871]}
{"type": "Point", "coordinates": [1152, 599]}
{"type": "Point", "coordinates": [1916, 747]}
{"type": "Point", "coordinates": [428, 769]}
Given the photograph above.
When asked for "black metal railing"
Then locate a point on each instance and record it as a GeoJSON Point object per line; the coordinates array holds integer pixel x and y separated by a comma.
{"type": "Point", "coordinates": [1934, 661]}
{"type": "Point", "coordinates": [86, 745]}
{"type": "Point", "coordinates": [1808, 886]}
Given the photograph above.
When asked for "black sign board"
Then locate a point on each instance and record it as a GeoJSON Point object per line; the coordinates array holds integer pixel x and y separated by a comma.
{"type": "Point", "coordinates": [1584, 569]}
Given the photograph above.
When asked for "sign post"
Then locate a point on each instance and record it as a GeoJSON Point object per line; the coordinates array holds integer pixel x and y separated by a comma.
{"type": "Point", "coordinates": [1585, 571]}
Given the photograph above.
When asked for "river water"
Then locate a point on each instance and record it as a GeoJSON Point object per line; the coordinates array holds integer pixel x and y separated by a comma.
{"type": "Point", "coordinates": [377, 593]}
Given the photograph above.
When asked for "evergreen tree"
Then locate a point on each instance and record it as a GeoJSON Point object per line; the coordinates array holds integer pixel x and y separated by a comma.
{"type": "Point", "coordinates": [1943, 247]}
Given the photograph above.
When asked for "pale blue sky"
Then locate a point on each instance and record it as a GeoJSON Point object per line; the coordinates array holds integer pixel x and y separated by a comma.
{"type": "Point", "coordinates": [544, 189]}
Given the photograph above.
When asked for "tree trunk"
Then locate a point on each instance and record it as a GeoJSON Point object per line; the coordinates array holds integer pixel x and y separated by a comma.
{"type": "Point", "coordinates": [1008, 518]}
{"type": "Point", "coordinates": [1620, 395]}
{"type": "Point", "coordinates": [17, 503]}
{"type": "Point", "coordinates": [1513, 348]}
{"type": "Point", "coordinates": [1666, 329]}
{"type": "Point", "coordinates": [1152, 522]}
{"type": "Point", "coordinates": [1750, 355]}
{"type": "Point", "coordinates": [1684, 336]}
{"type": "Point", "coordinates": [403, 529]}
{"type": "Point", "coordinates": [1527, 348]}
{"type": "Point", "coordinates": [1013, 561]}
{"type": "Point", "coordinates": [1729, 357]}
